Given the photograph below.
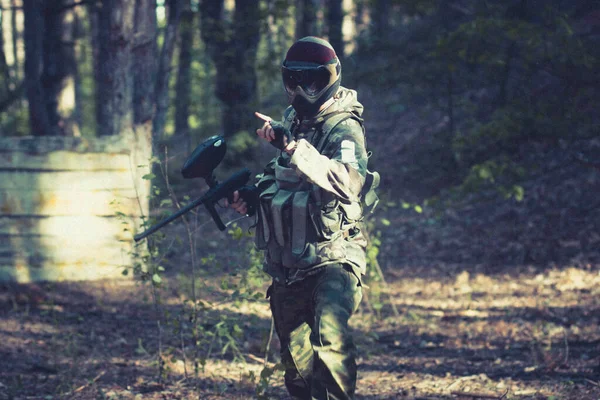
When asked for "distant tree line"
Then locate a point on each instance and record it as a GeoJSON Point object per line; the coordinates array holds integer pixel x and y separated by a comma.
{"type": "Point", "coordinates": [502, 73]}
{"type": "Point", "coordinates": [100, 67]}
{"type": "Point", "coordinates": [506, 75]}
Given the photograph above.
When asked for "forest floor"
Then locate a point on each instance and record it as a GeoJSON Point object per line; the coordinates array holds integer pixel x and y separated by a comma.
{"type": "Point", "coordinates": [492, 298]}
{"type": "Point", "coordinates": [459, 333]}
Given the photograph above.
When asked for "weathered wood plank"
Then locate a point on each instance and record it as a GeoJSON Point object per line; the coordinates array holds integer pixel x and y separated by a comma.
{"type": "Point", "coordinates": [48, 271]}
{"type": "Point", "coordinates": [60, 253]}
{"type": "Point", "coordinates": [66, 180]}
{"type": "Point", "coordinates": [58, 201]}
{"type": "Point", "coordinates": [81, 256]}
{"type": "Point", "coordinates": [81, 228]}
{"type": "Point", "coordinates": [52, 202]}
{"type": "Point", "coordinates": [60, 248]}
{"type": "Point", "coordinates": [65, 160]}
{"type": "Point", "coordinates": [47, 144]}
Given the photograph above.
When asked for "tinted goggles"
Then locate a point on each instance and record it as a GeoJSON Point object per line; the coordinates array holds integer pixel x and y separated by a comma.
{"type": "Point", "coordinates": [311, 80]}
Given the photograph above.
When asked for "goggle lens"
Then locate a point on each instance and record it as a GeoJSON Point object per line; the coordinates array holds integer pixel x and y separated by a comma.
{"type": "Point", "coordinates": [312, 81]}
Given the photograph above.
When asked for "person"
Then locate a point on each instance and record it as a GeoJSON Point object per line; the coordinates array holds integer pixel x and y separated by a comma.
{"type": "Point", "coordinates": [310, 207]}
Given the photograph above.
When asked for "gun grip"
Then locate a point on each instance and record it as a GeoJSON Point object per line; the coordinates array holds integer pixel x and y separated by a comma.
{"type": "Point", "coordinates": [250, 195]}
{"type": "Point", "coordinates": [215, 215]}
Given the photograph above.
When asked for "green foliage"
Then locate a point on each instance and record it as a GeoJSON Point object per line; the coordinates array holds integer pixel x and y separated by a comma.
{"type": "Point", "coordinates": [15, 121]}
{"type": "Point", "coordinates": [507, 75]}
{"type": "Point", "coordinates": [241, 146]}
{"type": "Point", "coordinates": [252, 278]}
{"type": "Point", "coordinates": [264, 381]}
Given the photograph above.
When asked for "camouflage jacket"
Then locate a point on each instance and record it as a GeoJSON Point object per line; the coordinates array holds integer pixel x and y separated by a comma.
{"type": "Point", "coordinates": [310, 210]}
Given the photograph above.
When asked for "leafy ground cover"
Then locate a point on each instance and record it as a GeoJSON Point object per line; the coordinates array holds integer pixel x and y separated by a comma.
{"type": "Point", "coordinates": [460, 332]}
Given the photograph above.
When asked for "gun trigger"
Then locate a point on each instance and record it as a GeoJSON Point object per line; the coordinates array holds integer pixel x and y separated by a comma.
{"type": "Point", "coordinates": [215, 216]}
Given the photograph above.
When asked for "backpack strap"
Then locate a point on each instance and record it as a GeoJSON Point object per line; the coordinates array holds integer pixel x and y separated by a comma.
{"type": "Point", "coordinates": [288, 118]}
{"type": "Point", "coordinates": [331, 122]}
{"type": "Point", "coordinates": [368, 194]}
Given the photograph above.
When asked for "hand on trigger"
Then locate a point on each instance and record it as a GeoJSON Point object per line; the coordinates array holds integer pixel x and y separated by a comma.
{"type": "Point", "coordinates": [238, 203]}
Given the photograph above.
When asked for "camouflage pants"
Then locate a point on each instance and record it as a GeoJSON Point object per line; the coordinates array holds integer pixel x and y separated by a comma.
{"type": "Point", "coordinates": [311, 320]}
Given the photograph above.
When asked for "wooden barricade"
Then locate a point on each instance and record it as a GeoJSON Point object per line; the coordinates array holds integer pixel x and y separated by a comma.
{"type": "Point", "coordinates": [69, 206]}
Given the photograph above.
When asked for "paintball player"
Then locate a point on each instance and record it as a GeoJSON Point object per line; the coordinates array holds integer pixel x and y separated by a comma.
{"type": "Point", "coordinates": [310, 205]}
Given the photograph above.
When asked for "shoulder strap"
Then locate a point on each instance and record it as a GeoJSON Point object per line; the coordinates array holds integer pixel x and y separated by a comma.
{"type": "Point", "coordinates": [368, 194]}
{"type": "Point", "coordinates": [288, 118]}
{"type": "Point", "coordinates": [331, 122]}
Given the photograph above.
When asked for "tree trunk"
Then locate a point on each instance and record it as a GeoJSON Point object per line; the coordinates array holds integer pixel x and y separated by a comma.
{"type": "Point", "coordinates": [92, 12]}
{"type": "Point", "coordinates": [184, 75]}
{"type": "Point", "coordinates": [164, 68]}
{"type": "Point", "coordinates": [4, 38]}
{"type": "Point", "coordinates": [380, 16]}
{"type": "Point", "coordinates": [359, 17]}
{"type": "Point", "coordinates": [306, 14]}
{"type": "Point", "coordinates": [15, 39]}
{"type": "Point", "coordinates": [79, 54]}
{"type": "Point", "coordinates": [39, 121]}
{"type": "Point", "coordinates": [335, 19]}
{"type": "Point", "coordinates": [233, 49]}
{"type": "Point", "coordinates": [144, 61]}
{"type": "Point", "coordinates": [144, 52]}
{"type": "Point", "coordinates": [114, 85]}
{"type": "Point", "coordinates": [4, 71]}
{"type": "Point", "coordinates": [58, 76]}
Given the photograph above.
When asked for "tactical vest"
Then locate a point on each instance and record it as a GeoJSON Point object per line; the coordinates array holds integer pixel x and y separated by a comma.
{"type": "Point", "coordinates": [300, 225]}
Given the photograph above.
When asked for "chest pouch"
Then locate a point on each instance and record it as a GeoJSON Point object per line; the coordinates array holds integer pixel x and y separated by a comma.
{"type": "Point", "coordinates": [285, 211]}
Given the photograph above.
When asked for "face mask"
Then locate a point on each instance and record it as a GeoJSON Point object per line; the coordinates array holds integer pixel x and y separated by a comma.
{"type": "Point", "coordinates": [307, 108]}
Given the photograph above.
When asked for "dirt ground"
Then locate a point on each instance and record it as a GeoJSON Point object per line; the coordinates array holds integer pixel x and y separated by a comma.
{"type": "Point", "coordinates": [494, 300]}
{"type": "Point", "coordinates": [459, 333]}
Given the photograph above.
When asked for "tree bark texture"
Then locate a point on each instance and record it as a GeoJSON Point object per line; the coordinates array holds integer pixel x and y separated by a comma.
{"type": "Point", "coordinates": [335, 19]}
{"type": "Point", "coordinates": [114, 85]}
{"type": "Point", "coordinates": [164, 68]}
{"type": "Point", "coordinates": [233, 48]}
{"type": "Point", "coordinates": [144, 61]}
{"type": "Point", "coordinates": [15, 39]}
{"type": "Point", "coordinates": [145, 53]}
{"type": "Point", "coordinates": [79, 37]}
{"type": "Point", "coordinates": [380, 15]}
{"type": "Point", "coordinates": [306, 14]}
{"type": "Point", "coordinates": [184, 74]}
{"type": "Point", "coordinates": [39, 121]}
{"type": "Point", "coordinates": [58, 76]}
{"type": "Point", "coordinates": [92, 12]}
{"type": "Point", "coordinates": [4, 70]}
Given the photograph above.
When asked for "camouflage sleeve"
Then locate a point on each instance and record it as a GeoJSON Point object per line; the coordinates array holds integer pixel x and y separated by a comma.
{"type": "Point", "coordinates": [341, 167]}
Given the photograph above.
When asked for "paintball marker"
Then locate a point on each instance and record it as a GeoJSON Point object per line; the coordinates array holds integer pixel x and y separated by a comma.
{"type": "Point", "coordinates": [201, 164]}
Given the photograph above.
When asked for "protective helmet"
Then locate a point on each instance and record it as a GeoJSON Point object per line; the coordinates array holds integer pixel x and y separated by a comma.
{"type": "Point", "coordinates": [311, 74]}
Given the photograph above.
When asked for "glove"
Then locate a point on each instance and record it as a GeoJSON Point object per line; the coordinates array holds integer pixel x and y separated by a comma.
{"type": "Point", "coordinates": [250, 196]}
{"type": "Point", "coordinates": [283, 136]}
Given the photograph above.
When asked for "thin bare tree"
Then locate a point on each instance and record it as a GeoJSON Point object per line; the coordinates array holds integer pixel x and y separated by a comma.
{"type": "Point", "coordinates": [184, 74]}
{"type": "Point", "coordinates": [232, 46]}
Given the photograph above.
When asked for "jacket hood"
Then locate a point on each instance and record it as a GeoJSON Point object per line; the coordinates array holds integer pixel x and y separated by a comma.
{"type": "Point", "coordinates": [345, 100]}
